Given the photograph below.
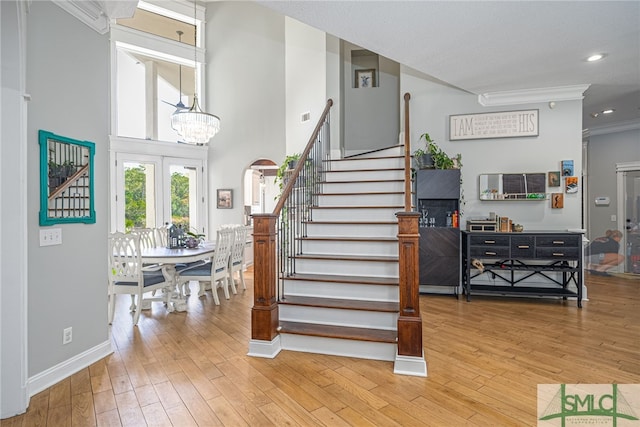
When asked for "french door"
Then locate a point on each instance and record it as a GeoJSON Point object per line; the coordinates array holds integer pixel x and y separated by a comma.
{"type": "Point", "coordinates": [152, 190]}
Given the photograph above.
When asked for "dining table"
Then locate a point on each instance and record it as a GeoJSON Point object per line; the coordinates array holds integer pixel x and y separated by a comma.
{"type": "Point", "coordinates": [168, 259]}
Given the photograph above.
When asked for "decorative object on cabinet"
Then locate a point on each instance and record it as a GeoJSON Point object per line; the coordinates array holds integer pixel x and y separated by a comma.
{"type": "Point", "coordinates": [224, 198]}
{"type": "Point", "coordinates": [538, 263]}
{"type": "Point", "coordinates": [500, 124]}
{"type": "Point", "coordinates": [553, 179]}
{"type": "Point", "coordinates": [432, 156]}
{"type": "Point", "coordinates": [438, 194]}
{"type": "Point", "coordinates": [66, 180]}
{"type": "Point", "coordinates": [512, 186]}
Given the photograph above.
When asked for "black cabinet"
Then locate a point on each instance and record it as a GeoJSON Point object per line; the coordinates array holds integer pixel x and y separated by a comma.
{"type": "Point", "coordinates": [438, 198]}
{"type": "Point", "coordinates": [522, 264]}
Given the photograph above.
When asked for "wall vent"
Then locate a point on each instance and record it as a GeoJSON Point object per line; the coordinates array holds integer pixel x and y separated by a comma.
{"type": "Point", "coordinates": [305, 117]}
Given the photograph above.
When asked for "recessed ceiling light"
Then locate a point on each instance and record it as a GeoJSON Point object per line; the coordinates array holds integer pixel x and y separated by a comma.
{"type": "Point", "coordinates": [609, 111]}
{"type": "Point", "coordinates": [596, 57]}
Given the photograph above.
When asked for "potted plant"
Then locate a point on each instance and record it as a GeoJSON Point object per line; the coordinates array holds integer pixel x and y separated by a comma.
{"type": "Point", "coordinates": [288, 164]}
{"type": "Point", "coordinates": [434, 157]}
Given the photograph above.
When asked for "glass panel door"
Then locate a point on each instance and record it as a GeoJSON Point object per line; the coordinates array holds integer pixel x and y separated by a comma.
{"type": "Point", "coordinates": [154, 190]}
{"type": "Point", "coordinates": [185, 206]}
{"type": "Point", "coordinates": [632, 221]}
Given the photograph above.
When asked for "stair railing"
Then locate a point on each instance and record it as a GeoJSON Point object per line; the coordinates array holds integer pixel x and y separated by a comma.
{"type": "Point", "coordinates": [276, 235]}
{"type": "Point", "coordinates": [409, 320]}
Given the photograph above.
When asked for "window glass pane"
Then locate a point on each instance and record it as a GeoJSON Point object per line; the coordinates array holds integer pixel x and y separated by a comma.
{"type": "Point", "coordinates": [132, 86]}
{"type": "Point", "coordinates": [159, 25]}
{"type": "Point", "coordinates": [183, 196]}
{"type": "Point", "coordinates": [139, 195]}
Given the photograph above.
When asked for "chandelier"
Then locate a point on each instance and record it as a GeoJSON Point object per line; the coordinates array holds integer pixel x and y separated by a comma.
{"type": "Point", "coordinates": [195, 126]}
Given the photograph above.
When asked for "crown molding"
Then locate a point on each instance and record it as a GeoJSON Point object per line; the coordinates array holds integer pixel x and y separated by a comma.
{"type": "Point", "coordinates": [532, 96]}
{"type": "Point", "coordinates": [613, 128]}
{"type": "Point", "coordinates": [97, 14]}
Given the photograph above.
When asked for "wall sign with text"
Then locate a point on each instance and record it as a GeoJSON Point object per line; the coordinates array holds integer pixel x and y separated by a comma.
{"type": "Point", "coordinates": [502, 124]}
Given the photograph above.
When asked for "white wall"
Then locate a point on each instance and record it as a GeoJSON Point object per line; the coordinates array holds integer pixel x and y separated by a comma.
{"type": "Point", "coordinates": [67, 77]}
{"type": "Point", "coordinates": [560, 138]}
{"type": "Point", "coordinates": [604, 151]}
{"type": "Point", "coordinates": [305, 71]}
{"type": "Point", "coordinates": [246, 89]}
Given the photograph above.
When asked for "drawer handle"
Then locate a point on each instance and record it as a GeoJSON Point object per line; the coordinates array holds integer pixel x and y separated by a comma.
{"type": "Point", "coordinates": [523, 246]}
{"type": "Point", "coordinates": [558, 242]}
{"type": "Point", "coordinates": [558, 254]}
{"type": "Point", "coordinates": [490, 253]}
{"type": "Point", "coordinates": [490, 241]}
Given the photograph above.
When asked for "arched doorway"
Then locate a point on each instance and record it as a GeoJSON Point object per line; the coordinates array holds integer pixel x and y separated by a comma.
{"type": "Point", "coordinates": [260, 190]}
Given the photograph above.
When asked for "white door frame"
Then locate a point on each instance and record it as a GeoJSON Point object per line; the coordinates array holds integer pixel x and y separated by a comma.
{"type": "Point", "coordinates": [621, 169]}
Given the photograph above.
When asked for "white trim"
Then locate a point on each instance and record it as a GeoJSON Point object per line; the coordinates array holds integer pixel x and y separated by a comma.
{"type": "Point", "coordinates": [88, 12]}
{"type": "Point", "coordinates": [627, 166]}
{"type": "Point", "coordinates": [57, 373]}
{"type": "Point", "coordinates": [532, 96]}
{"type": "Point", "coordinates": [613, 128]}
{"type": "Point", "coordinates": [266, 349]}
{"type": "Point", "coordinates": [410, 365]}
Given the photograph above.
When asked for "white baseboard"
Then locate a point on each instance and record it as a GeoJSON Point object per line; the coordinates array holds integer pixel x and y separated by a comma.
{"type": "Point", "coordinates": [410, 365]}
{"type": "Point", "coordinates": [55, 374]}
{"type": "Point", "coordinates": [266, 349]}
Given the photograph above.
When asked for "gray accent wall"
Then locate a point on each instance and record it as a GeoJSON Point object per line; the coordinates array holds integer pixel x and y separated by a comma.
{"type": "Point", "coordinates": [68, 79]}
{"type": "Point", "coordinates": [604, 152]}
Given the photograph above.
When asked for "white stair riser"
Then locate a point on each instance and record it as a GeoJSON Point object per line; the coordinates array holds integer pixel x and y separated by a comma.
{"type": "Point", "coordinates": [341, 290]}
{"type": "Point", "coordinates": [333, 176]}
{"type": "Point", "coordinates": [363, 187]}
{"type": "Point", "coordinates": [337, 317]}
{"type": "Point", "coordinates": [362, 200]}
{"type": "Point", "coordinates": [349, 248]}
{"type": "Point", "coordinates": [367, 163]}
{"type": "Point", "coordinates": [348, 214]}
{"type": "Point", "coordinates": [351, 230]}
{"type": "Point", "coordinates": [347, 268]}
{"type": "Point", "coordinates": [339, 347]}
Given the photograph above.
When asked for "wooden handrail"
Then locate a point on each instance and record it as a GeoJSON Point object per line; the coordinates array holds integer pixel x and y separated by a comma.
{"type": "Point", "coordinates": [303, 157]}
{"type": "Point", "coordinates": [407, 155]}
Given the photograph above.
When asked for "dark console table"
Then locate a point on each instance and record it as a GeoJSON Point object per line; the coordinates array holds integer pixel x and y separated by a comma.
{"type": "Point", "coordinates": [510, 259]}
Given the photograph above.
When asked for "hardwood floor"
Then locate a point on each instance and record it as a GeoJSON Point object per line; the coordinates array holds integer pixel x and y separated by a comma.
{"type": "Point", "coordinates": [485, 359]}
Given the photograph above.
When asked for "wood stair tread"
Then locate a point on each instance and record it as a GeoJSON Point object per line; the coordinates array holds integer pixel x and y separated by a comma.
{"type": "Point", "coordinates": [368, 181]}
{"type": "Point", "coordinates": [400, 208]}
{"type": "Point", "coordinates": [364, 170]}
{"type": "Point", "coordinates": [356, 157]}
{"type": "Point", "coordinates": [334, 278]}
{"type": "Point", "coordinates": [341, 257]}
{"type": "Point", "coordinates": [368, 193]}
{"type": "Point", "coordinates": [355, 223]}
{"type": "Point", "coordinates": [343, 332]}
{"type": "Point", "coordinates": [342, 303]}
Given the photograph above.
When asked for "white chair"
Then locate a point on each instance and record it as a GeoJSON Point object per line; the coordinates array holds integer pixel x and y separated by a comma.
{"type": "Point", "coordinates": [216, 272]}
{"type": "Point", "coordinates": [147, 237]}
{"type": "Point", "coordinates": [162, 237]}
{"type": "Point", "coordinates": [127, 274]}
{"type": "Point", "coordinates": [236, 258]}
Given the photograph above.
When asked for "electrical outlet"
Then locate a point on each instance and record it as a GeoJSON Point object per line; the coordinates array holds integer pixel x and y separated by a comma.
{"type": "Point", "coordinates": [67, 335]}
{"type": "Point", "coordinates": [50, 236]}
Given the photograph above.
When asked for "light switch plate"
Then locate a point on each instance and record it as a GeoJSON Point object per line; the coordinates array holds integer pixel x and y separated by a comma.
{"type": "Point", "coordinates": [50, 236]}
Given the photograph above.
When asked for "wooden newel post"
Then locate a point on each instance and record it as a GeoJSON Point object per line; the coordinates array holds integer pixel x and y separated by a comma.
{"type": "Point", "coordinates": [264, 314]}
{"type": "Point", "coordinates": [409, 322]}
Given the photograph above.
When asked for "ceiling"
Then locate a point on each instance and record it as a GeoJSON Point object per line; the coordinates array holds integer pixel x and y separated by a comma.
{"type": "Point", "coordinates": [487, 47]}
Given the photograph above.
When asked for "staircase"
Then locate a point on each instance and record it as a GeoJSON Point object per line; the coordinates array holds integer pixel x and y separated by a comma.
{"type": "Point", "coordinates": [336, 262]}
{"type": "Point", "coordinates": [343, 297]}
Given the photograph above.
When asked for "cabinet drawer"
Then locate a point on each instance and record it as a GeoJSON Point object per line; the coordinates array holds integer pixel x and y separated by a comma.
{"type": "Point", "coordinates": [558, 241]}
{"type": "Point", "coordinates": [557, 253]}
{"type": "Point", "coordinates": [489, 240]}
{"type": "Point", "coordinates": [522, 247]}
{"type": "Point", "coordinates": [490, 251]}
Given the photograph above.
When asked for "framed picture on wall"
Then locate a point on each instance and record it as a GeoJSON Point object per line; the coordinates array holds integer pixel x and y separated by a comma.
{"type": "Point", "coordinates": [224, 198]}
{"type": "Point", "coordinates": [557, 200]}
{"type": "Point", "coordinates": [366, 78]}
{"type": "Point", "coordinates": [554, 179]}
{"type": "Point", "coordinates": [571, 184]}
